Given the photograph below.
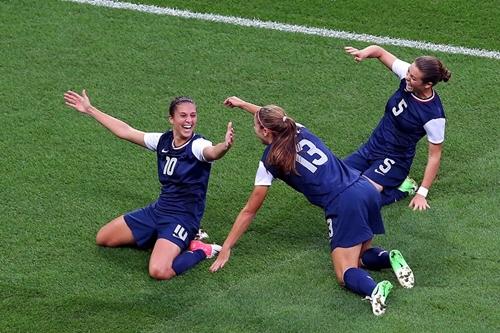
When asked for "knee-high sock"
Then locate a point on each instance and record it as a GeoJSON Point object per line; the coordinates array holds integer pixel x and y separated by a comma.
{"type": "Point", "coordinates": [376, 258]}
{"type": "Point", "coordinates": [187, 260]}
{"type": "Point", "coordinates": [359, 281]}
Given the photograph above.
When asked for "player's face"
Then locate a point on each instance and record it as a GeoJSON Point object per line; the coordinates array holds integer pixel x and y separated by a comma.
{"type": "Point", "coordinates": [184, 120]}
{"type": "Point", "coordinates": [414, 81]}
{"type": "Point", "coordinates": [260, 131]}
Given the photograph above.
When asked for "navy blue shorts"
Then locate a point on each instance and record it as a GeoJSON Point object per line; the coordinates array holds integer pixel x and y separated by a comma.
{"type": "Point", "coordinates": [148, 224]}
{"type": "Point", "coordinates": [356, 216]}
{"type": "Point", "coordinates": [389, 172]}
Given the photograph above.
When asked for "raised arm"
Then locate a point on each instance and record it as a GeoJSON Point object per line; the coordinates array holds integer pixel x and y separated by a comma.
{"type": "Point", "coordinates": [234, 101]}
{"type": "Point", "coordinates": [419, 201]}
{"type": "Point", "coordinates": [243, 221]}
{"type": "Point", "coordinates": [213, 153]}
{"type": "Point", "coordinates": [122, 130]}
{"type": "Point", "coordinates": [372, 51]}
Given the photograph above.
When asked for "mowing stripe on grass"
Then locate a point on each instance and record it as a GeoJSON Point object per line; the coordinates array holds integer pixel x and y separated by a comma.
{"type": "Point", "coordinates": [294, 28]}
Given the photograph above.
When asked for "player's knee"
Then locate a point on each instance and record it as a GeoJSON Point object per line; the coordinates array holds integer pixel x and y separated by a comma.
{"type": "Point", "coordinates": [161, 273]}
{"type": "Point", "coordinates": [103, 238]}
{"type": "Point", "coordinates": [100, 239]}
{"type": "Point", "coordinates": [340, 279]}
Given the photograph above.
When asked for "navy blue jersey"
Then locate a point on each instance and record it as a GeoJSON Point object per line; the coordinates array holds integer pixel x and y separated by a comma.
{"type": "Point", "coordinates": [321, 175]}
{"type": "Point", "coordinates": [406, 120]}
{"type": "Point", "coordinates": [184, 178]}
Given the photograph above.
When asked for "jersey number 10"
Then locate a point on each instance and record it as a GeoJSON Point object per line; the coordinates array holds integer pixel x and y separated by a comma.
{"type": "Point", "coordinates": [169, 165]}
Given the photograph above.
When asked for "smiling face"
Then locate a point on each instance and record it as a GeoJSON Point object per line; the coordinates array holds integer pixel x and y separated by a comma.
{"type": "Point", "coordinates": [415, 84]}
{"type": "Point", "coordinates": [183, 122]}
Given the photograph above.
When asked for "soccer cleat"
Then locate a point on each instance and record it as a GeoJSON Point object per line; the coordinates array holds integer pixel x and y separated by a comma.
{"type": "Point", "coordinates": [401, 269]}
{"type": "Point", "coordinates": [409, 186]}
{"type": "Point", "coordinates": [379, 296]}
{"type": "Point", "coordinates": [211, 250]}
{"type": "Point", "coordinates": [201, 235]}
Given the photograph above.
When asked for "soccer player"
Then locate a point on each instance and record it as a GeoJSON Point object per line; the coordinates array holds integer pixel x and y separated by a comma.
{"type": "Point", "coordinates": [184, 161]}
{"type": "Point", "coordinates": [350, 202]}
{"type": "Point", "coordinates": [413, 111]}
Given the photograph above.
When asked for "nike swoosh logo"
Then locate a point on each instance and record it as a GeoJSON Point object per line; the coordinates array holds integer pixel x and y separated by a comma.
{"type": "Point", "coordinates": [164, 151]}
{"type": "Point", "coordinates": [179, 237]}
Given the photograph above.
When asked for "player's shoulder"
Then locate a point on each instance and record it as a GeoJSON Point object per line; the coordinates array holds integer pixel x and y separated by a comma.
{"type": "Point", "coordinates": [433, 109]}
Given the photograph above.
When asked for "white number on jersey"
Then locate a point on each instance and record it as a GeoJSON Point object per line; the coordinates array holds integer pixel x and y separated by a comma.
{"type": "Point", "coordinates": [311, 150]}
{"type": "Point", "coordinates": [384, 168]}
{"type": "Point", "coordinates": [401, 107]}
{"type": "Point", "coordinates": [329, 223]}
{"type": "Point", "coordinates": [169, 165]}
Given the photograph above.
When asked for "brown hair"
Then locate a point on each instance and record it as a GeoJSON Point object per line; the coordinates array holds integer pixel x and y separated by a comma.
{"type": "Point", "coordinates": [176, 101]}
{"type": "Point", "coordinates": [284, 146]}
{"type": "Point", "coordinates": [432, 69]}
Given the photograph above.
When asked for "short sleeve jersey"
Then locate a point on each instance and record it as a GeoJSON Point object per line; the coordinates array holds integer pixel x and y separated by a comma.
{"type": "Point", "coordinates": [406, 120]}
{"type": "Point", "coordinates": [321, 175]}
{"type": "Point", "coordinates": [183, 173]}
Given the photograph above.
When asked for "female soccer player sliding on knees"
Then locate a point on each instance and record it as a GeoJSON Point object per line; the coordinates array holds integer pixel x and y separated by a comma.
{"type": "Point", "coordinates": [413, 111]}
{"type": "Point", "coordinates": [350, 202]}
{"type": "Point", "coordinates": [184, 161]}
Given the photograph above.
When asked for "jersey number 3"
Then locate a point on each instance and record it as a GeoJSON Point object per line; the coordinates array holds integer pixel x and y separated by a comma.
{"type": "Point", "coordinates": [311, 149]}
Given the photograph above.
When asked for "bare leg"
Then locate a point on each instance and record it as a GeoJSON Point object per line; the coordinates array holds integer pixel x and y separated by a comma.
{"type": "Point", "coordinates": [345, 258]}
{"type": "Point", "coordinates": [115, 233]}
{"type": "Point", "coordinates": [162, 257]}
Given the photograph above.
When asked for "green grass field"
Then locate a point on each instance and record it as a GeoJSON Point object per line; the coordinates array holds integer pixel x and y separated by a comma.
{"type": "Point", "coordinates": [64, 176]}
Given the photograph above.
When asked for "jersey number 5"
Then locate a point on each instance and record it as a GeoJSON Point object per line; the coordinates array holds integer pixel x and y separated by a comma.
{"type": "Point", "coordinates": [385, 167]}
{"type": "Point", "coordinates": [311, 150]}
{"type": "Point", "coordinates": [401, 107]}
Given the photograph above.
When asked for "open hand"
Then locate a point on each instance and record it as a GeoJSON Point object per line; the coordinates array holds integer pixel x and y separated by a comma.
{"type": "Point", "coordinates": [419, 202]}
{"type": "Point", "coordinates": [229, 135]}
{"type": "Point", "coordinates": [358, 55]}
{"type": "Point", "coordinates": [78, 102]}
{"type": "Point", "coordinates": [222, 259]}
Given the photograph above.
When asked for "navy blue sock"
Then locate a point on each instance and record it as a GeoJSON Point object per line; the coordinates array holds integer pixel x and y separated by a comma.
{"type": "Point", "coordinates": [187, 260]}
{"type": "Point", "coordinates": [359, 281]}
{"type": "Point", "coordinates": [376, 258]}
{"type": "Point", "coordinates": [391, 195]}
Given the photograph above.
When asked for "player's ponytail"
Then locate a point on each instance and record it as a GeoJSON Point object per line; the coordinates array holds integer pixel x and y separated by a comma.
{"type": "Point", "coordinates": [445, 74]}
{"type": "Point", "coordinates": [432, 69]}
{"type": "Point", "coordinates": [284, 146]}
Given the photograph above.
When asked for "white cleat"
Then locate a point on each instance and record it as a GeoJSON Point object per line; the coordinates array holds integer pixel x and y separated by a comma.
{"type": "Point", "coordinates": [401, 269]}
{"type": "Point", "coordinates": [379, 297]}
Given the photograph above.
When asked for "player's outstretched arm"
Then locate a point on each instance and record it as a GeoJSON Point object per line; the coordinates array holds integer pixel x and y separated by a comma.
{"type": "Point", "coordinates": [219, 150]}
{"type": "Point", "coordinates": [234, 101]}
{"type": "Point", "coordinates": [243, 221]}
{"type": "Point", "coordinates": [372, 51]}
{"type": "Point", "coordinates": [82, 104]}
{"type": "Point", "coordinates": [419, 201]}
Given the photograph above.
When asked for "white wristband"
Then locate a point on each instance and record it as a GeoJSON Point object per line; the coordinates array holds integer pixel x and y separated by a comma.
{"type": "Point", "coordinates": [423, 191]}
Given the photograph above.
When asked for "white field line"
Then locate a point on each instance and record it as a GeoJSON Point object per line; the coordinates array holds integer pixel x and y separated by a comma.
{"type": "Point", "coordinates": [294, 28]}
